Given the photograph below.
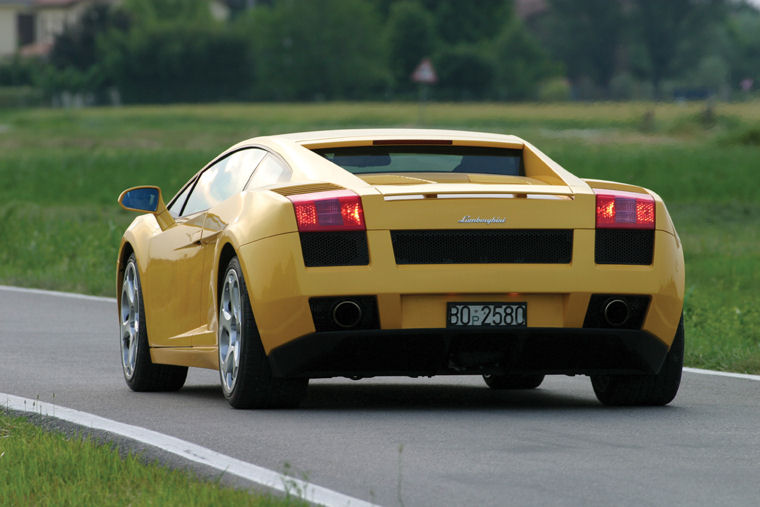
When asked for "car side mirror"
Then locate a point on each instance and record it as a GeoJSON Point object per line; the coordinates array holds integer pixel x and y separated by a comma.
{"type": "Point", "coordinates": [140, 199]}
{"type": "Point", "coordinates": [147, 199]}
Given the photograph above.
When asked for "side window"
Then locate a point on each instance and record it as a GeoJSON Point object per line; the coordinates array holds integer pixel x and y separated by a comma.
{"type": "Point", "coordinates": [176, 206]}
{"type": "Point", "coordinates": [269, 172]}
{"type": "Point", "coordinates": [223, 179]}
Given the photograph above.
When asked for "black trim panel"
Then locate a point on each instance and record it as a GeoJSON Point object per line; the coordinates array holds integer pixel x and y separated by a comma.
{"type": "Point", "coordinates": [624, 246]}
{"type": "Point", "coordinates": [498, 246]}
{"type": "Point", "coordinates": [335, 248]}
{"type": "Point", "coordinates": [425, 352]}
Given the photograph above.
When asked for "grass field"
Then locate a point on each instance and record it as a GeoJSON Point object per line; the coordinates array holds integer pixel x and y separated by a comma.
{"type": "Point", "coordinates": [38, 467]}
{"type": "Point", "coordinates": [61, 172]}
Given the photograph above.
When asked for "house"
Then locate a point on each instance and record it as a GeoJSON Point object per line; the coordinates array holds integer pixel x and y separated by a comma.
{"type": "Point", "coordinates": [29, 27]}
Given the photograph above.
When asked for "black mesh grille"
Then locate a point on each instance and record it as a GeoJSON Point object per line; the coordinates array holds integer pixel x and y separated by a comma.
{"type": "Point", "coordinates": [343, 248]}
{"type": "Point", "coordinates": [526, 246]}
{"type": "Point", "coordinates": [624, 246]}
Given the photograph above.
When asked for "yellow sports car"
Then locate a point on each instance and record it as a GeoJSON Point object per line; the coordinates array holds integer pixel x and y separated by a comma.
{"type": "Point", "coordinates": [361, 253]}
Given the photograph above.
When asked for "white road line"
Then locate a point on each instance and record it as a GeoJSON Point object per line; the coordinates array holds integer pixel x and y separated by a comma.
{"type": "Point", "coordinates": [69, 295]}
{"type": "Point", "coordinates": [729, 374]}
{"type": "Point", "coordinates": [188, 450]}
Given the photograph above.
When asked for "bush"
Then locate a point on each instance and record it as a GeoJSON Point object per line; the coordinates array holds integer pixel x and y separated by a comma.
{"type": "Point", "coordinates": [20, 71]}
{"type": "Point", "coordinates": [20, 96]}
{"type": "Point", "coordinates": [554, 90]}
{"type": "Point", "coordinates": [177, 63]}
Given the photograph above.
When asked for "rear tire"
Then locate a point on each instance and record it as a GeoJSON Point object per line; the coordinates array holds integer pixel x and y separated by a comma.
{"type": "Point", "coordinates": [139, 371]}
{"type": "Point", "coordinates": [495, 381]}
{"type": "Point", "coordinates": [244, 370]}
{"type": "Point", "coordinates": [658, 389]}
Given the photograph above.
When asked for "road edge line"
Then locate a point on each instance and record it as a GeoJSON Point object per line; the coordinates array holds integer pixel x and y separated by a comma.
{"type": "Point", "coordinates": [70, 295]}
{"type": "Point", "coordinates": [187, 450]}
{"type": "Point", "coordinates": [729, 374]}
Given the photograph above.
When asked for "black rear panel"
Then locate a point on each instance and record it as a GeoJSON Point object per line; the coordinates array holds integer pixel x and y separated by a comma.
{"type": "Point", "coordinates": [340, 248]}
{"type": "Point", "coordinates": [637, 311]}
{"type": "Point", "coordinates": [624, 246]}
{"type": "Point", "coordinates": [517, 246]}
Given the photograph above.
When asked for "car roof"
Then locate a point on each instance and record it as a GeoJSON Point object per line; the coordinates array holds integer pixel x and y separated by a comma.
{"type": "Point", "coordinates": [297, 148]}
{"type": "Point", "coordinates": [314, 137]}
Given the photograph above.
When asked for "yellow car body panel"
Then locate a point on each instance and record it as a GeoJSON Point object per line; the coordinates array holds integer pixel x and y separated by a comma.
{"type": "Point", "coordinates": [180, 262]}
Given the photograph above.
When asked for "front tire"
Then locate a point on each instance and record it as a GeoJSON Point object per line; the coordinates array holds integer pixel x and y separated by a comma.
{"type": "Point", "coordinates": [657, 389]}
{"type": "Point", "coordinates": [139, 371]}
{"type": "Point", "coordinates": [244, 370]}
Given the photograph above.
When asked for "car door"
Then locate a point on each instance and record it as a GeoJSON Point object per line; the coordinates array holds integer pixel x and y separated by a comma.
{"type": "Point", "coordinates": [170, 288]}
{"type": "Point", "coordinates": [230, 176]}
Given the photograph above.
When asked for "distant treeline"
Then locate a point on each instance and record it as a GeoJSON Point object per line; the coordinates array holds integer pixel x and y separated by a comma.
{"type": "Point", "coordinates": [155, 51]}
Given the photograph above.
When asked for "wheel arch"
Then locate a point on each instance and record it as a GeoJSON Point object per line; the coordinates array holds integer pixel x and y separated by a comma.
{"type": "Point", "coordinates": [227, 252]}
{"type": "Point", "coordinates": [134, 242]}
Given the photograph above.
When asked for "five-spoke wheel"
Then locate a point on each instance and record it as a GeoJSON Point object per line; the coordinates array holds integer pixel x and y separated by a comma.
{"type": "Point", "coordinates": [139, 371]}
{"type": "Point", "coordinates": [246, 377]}
{"type": "Point", "coordinates": [230, 313]}
{"type": "Point", "coordinates": [130, 320]}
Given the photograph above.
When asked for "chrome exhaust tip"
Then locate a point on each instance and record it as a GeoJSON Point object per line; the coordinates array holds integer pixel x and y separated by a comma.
{"type": "Point", "coordinates": [347, 314]}
{"type": "Point", "coordinates": [616, 312]}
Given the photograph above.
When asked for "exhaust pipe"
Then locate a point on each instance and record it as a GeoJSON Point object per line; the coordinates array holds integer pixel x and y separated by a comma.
{"type": "Point", "coordinates": [616, 312]}
{"type": "Point", "coordinates": [347, 314]}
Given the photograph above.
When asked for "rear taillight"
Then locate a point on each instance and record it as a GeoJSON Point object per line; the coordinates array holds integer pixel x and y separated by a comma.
{"type": "Point", "coordinates": [337, 210]}
{"type": "Point", "coordinates": [616, 209]}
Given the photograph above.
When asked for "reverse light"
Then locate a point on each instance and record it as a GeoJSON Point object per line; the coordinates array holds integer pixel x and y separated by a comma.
{"type": "Point", "coordinates": [616, 209]}
{"type": "Point", "coordinates": [336, 210]}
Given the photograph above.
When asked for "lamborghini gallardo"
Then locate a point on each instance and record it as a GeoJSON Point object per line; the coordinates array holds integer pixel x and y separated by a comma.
{"type": "Point", "coordinates": [399, 252]}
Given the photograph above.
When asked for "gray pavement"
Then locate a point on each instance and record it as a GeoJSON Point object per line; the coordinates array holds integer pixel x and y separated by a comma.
{"type": "Point", "coordinates": [416, 442]}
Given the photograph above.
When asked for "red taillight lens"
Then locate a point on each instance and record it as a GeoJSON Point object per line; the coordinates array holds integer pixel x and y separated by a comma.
{"type": "Point", "coordinates": [616, 209]}
{"type": "Point", "coordinates": [338, 210]}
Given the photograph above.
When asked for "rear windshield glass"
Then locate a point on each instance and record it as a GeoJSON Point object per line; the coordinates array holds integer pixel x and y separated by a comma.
{"type": "Point", "coordinates": [419, 159]}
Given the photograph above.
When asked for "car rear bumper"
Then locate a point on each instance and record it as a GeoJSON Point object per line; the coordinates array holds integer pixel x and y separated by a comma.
{"type": "Point", "coordinates": [426, 352]}
{"type": "Point", "coordinates": [411, 298]}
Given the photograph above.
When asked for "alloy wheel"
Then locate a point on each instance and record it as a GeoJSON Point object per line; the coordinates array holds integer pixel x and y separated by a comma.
{"type": "Point", "coordinates": [130, 320]}
{"type": "Point", "coordinates": [230, 312]}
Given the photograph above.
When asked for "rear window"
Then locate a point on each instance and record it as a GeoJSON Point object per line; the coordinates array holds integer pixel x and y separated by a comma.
{"type": "Point", "coordinates": [426, 159]}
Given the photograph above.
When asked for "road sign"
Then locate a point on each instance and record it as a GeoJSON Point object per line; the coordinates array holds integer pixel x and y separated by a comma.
{"type": "Point", "coordinates": [425, 73]}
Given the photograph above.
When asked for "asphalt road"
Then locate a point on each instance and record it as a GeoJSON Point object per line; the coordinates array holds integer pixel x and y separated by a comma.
{"type": "Point", "coordinates": [417, 442]}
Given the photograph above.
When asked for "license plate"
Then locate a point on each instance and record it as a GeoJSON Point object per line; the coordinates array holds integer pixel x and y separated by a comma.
{"type": "Point", "coordinates": [486, 315]}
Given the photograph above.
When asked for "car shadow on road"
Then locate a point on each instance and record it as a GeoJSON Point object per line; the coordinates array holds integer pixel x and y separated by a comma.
{"type": "Point", "coordinates": [444, 397]}
{"type": "Point", "coordinates": [414, 396]}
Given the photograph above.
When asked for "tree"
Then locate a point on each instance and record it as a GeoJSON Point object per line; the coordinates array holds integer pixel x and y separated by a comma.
{"type": "Point", "coordinates": [76, 53]}
{"type": "Point", "coordinates": [77, 45]}
{"type": "Point", "coordinates": [586, 37]}
{"type": "Point", "coordinates": [317, 50]}
{"type": "Point", "coordinates": [151, 12]}
{"type": "Point", "coordinates": [521, 63]}
{"type": "Point", "coordinates": [666, 28]}
{"type": "Point", "coordinates": [743, 44]}
{"type": "Point", "coordinates": [465, 72]}
{"type": "Point", "coordinates": [462, 21]}
{"type": "Point", "coordinates": [411, 37]}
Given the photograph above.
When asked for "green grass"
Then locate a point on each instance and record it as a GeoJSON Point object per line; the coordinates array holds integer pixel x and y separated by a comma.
{"type": "Point", "coordinates": [39, 467]}
{"type": "Point", "coordinates": [61, 172]}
